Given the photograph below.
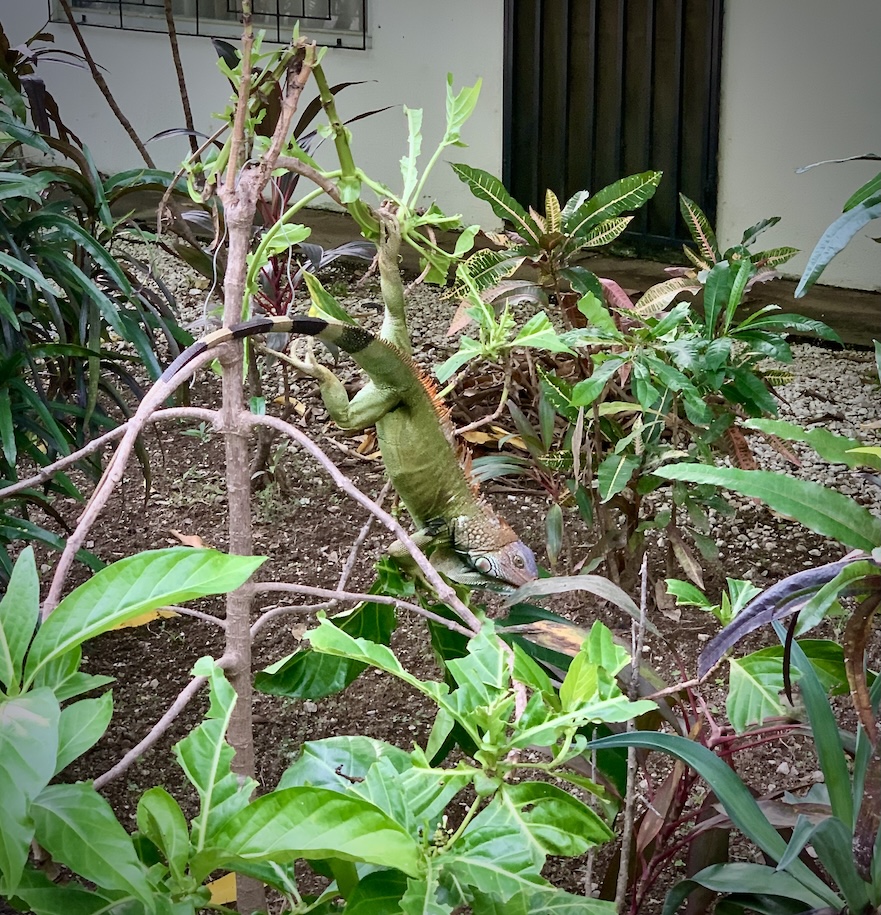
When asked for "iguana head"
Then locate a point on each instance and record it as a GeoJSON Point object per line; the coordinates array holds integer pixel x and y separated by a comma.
{"type": "Point", "coordinates": [491, 554]}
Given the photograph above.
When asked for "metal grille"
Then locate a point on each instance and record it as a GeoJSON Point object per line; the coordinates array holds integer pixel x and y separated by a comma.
{"type": "Point", "coordinates": [337, 23]}
{"type": "Point", "coordinates": [600, 89]}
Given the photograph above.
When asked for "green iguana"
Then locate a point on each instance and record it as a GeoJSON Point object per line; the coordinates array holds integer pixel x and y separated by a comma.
{"type": "Point", "coordinates": [460, 532]}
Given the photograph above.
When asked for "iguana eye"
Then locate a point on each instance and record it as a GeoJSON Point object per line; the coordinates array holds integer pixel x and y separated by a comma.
{"type": "Point", "coordinates": [518, 562]}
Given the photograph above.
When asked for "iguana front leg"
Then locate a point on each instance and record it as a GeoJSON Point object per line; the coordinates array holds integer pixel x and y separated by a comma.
{"type": "Point", "coordinates": [370, 404]}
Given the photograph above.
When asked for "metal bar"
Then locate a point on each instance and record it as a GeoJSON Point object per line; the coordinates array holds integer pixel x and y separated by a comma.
{"type": "Point", "coordinates": [537, 68]}
{"type": "Point", "coordinates": [711, 122]}
{"type": "Point", "coordinates": [648, 140]}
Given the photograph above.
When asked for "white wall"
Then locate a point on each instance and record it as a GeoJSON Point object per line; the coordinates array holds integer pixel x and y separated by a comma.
{"type": "Point", "coordinates": [801, 81]}
{"type": "Point", "coordinates": [414, 46]}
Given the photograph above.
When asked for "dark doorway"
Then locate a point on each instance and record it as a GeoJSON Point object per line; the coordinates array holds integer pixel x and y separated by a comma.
{"type": "Point", "coordinates": [599, 89]}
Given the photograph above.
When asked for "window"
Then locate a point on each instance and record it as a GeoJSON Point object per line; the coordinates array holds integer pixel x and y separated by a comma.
{"type": "Point", "coordinates": [336, 23]}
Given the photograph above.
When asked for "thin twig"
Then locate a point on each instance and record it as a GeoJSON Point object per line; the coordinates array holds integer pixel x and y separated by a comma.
{"type": "Point", "coordinates": [503, 399]}
{"type": "Point", "coordinates": [627, 837]}
{"type": "Point", "coordinates": [115, 471]}
{"type": "Point", "coordinates": [104, 89]}
{"type": "Point", "coordinates": [339, 595]}
{"type": "Point", "coordinates": [158, 729]}
{"type": "Point", "coordinates": [181, 80]}
{"type": "Point", "coordinates": [97, 443]}
{"type": "Point", "coordinates": [446, 594]}
{"type": "Point", "coordinates": [315, 176]}
{"type": "Point", "coordinates": [349, 564]}
{"type": "Point", "coordinates": [205, 617]}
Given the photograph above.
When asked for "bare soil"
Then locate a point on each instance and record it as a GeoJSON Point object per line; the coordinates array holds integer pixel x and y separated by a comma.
{"type": "Point", "coordinates": [307, 528]}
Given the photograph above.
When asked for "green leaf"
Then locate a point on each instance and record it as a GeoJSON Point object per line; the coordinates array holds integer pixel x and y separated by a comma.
{"type": "Point", "coordinates": [130, 587]}
{"type": "Point", "coordinates": [823, 510]}
{"type": "Point", "coordinates": [79, 829]}
{"type": "Point", "coordinates": [835, 238]}
{"type": "Point", "coordinates": [19, 613]}
{"type": "Point", "coordinates": [755, 879]}
{"type": "Point", "coordinates": [602, 649]}
{"type": "Point", "coordinates": [308, 674]}
{"type": "Point", "coordinates": [409, 170]}
{"type": "Point", "coordinates": [323, 302]}
{"type": "Point", "coordinates": [615, 472]}
{"type": "Point", "coordinates": [206, 759]}
{"type": "Point", "coordinates": [460, 107]}
{"type": "Point", "coordinates": [468, 349]}
{"type": "Point", "coordinates": [754, 685]}
{"type": "Point", "coordinates": [539, 333]}
{"type": "Point", "coordinates": [162, 821]}
{"type": "Point", "coordinates": [382, 891]}
{"type": "Point", "coordinates": [597, 314]}
{"type": "Point", "coordinates": [69, 898]}
{"type": "Point", "coordinates": [734, 796]}
{"type": "Point", "coordinates": [420, 898]}
{"type": "Point", "coordinates": [489, 188]}
{"type": "Point", "coordinates": [81, 726]}
{"type": "Point", "coordinates": [315, 823]}
{"type": "Point", "coordinates": [626, 194]}
{"type": "Point", "coordinates": [700, 229]}
{"type": "Point", "coordinates": [28, 748]}
{"type": "Point", "coordinates": [837, 449]}
{"type": "Point", "coordinates": [586, 392]}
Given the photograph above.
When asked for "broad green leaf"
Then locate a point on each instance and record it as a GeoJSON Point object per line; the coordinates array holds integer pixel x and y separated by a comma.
{"type": "Point", "coordinates": [539, 333]}
{"type": "Point", "coordinates": [409, 169]}
{"type": "Point", "coordinates": [495, 859]}
{"type": "Point", "coordinates": [315, 823]}
{"type": "Point", "coordinates": [468, 349]}
{"type": "Point", "coordinates": [420, 898]}
{"type": "Point", "coordinates": [132, 586]}
{"type": "Point", "coordinates": [754, 686]}
{"type": "Point", "coordinates": [602, 649]}
{"type": "Point", "coordinates": [615, 472]}
{"type": "Point", "coordinates": [79, 829]}
{"type": "Point", "coordinates": [280, 237]}
{"type": "Point", "coordinates": [597, 314]}
{"type": "Point", "coordinates": [7, 428]}
{"type": "Point", "coordinates": [323, 302]}
{"type": "Point", "coordinates": [835, 238]}
{"type": "Point", "coordinates": [19, 613]}
{"type": "Point", "coordinates": [381, 891]}
{"type": "Point", "coordinates": [753, 232]}
{"type": "Point", "coordinates": [206, 759]}
{"type": "Point", "coordinates": [68, 898]}
{"type": "Point", "coordinates": [28, 748]}
{"type": "Point", "coordinates": [823, 510]}
{"type": "Point", "coordinates": [460, 107]}
{"type": "Point", "coordinates": [489, 188]}
{"type": "Point", "coordinates": [81, 726]}
{"type": "Point", "coordinates": [162, 821]}
{"type": "Point", "coordinates": [837, 449]}
{"type": "Point", "coordinates": [307, 674]}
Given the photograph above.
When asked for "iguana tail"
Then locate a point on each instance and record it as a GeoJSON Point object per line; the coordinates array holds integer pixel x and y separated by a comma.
{"type": "Point", "coordinates": [348, 337]}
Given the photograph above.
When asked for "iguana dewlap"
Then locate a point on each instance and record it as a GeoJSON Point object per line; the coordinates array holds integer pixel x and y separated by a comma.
{"type": "Point", "coordinates": [462, 535]}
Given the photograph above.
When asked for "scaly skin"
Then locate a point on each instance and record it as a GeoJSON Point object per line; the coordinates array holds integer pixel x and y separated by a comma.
{"type": "Point", "coordinates": [462, 535]}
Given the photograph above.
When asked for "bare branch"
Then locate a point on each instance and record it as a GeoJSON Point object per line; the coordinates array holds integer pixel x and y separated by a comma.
{"type": "Point", "coordinates": [315, 176]}
{"type": "Point", "coordinates": [115, 470]}
{"type": "Point", "coordinates": [158, 729]}
{"type": "Point", "coordinates": [339, 595]}
{"type": "Point", "coordinates": [349, 564]}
